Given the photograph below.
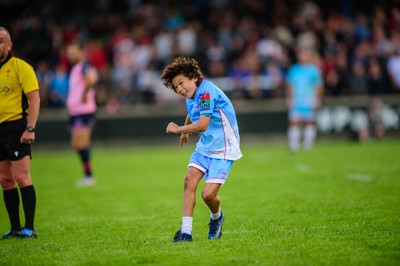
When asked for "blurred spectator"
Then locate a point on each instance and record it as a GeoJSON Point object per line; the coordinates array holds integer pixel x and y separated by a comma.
{"type": "Point", "coordinates": [122, 71]}
{"type": "Point", "coordinates": [362, 30]}
{"type": "Point", "coordinates": [238, 73]}
{"type": "Point", "coordinates": [371, 122]}
{"type": "Point", "coordinates": [269, 49]}
{"type": "Point", "coordinates": [104, 87]}
{"type": "Point", "coordinates": [333, 84]}
{"type": "Point", "coordinates": [394, 70]}
{"type": "Point", "coordinates": [358, 80]}
{"type": "Point", "coordinates": [173, 19]}
{"type": "Point", "coordinates": [376, 118]}
{"type": "Point", "coordinates": [59, 87]}
{"type": "Point", "coordinates": [255, 84]}
{"type": "Point", "coordinates": [328, 63]}
{"type": "Point", "coordinates": [216, 56]}
{"type": "Point", "coordinates": [146, 84]}
{"type": "Point", "coordinates": [274, 76]}
{"type": "Point", "coordinates": [45, 76]}
{"type": "Point", "coordinates": [380, 42]}
{"type": "Point", "coordinates": [96, 54]}
{"type": "Point", "coordinates": [342, 67]}
{"type": "Point", "coordinates": [360, 125]}
{"type": "Point", "coordinates": [377, 84]}
{"type": "Point", "coordinates": [187, 38]}
{"type": "Point", "coordinates": [394, 18]}
{"type": "Point", "coordinates": [163, 44]}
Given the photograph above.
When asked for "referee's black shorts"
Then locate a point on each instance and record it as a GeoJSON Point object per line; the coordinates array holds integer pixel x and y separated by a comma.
{"type": "Point", "coordinates": [11, 147]}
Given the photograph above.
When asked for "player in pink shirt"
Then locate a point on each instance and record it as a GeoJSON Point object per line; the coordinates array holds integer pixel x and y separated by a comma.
{"type": "Point", "coordinates": [81, 105]}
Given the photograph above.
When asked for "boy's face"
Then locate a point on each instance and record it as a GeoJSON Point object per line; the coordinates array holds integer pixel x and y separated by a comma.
{"type": "Point", "coordinates": [184, 86]}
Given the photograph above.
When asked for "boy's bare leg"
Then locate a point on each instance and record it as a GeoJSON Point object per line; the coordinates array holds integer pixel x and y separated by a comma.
{"type": "Point", "coordinates": [210, 196]}
{"type": "Point", "coordinates": [192, 180]}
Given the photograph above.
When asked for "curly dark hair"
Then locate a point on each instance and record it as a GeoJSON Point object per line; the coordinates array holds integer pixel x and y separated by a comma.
{"type": "Point", "coordinates": [186, 66]}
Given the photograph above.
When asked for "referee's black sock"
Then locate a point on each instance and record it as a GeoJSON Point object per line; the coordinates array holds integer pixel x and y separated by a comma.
{"type": "Point", "coordinates": [28, 196]}
{"type": "Point", "coordinates": [11, 200]}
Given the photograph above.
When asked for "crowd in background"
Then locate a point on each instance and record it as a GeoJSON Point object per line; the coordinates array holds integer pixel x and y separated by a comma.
{"type": "Point", "coordinates": [249, 43]}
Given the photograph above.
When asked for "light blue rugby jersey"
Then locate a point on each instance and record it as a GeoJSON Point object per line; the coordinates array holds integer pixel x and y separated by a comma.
{"type": "Point", "coordinates": [221, 139]}
{"type": "Point", "coordinates": [304, 80]}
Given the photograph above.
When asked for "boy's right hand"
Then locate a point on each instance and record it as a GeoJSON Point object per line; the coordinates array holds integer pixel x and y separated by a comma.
{"type": "Point", "coordinates": [172, 128]}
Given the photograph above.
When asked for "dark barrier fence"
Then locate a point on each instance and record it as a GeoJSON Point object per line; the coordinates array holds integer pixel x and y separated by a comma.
{"type": "Point", "coordinates": [137, 122]}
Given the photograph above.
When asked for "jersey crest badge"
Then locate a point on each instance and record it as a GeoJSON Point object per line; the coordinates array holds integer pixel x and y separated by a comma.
{"type": "Point", "coordinates": [205, 101]}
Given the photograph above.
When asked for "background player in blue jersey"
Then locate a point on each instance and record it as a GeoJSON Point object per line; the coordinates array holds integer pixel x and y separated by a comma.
{"type": "Point", "coordinates": [210, 113]}
{"type": "Point", "coordinates": [304, 93]}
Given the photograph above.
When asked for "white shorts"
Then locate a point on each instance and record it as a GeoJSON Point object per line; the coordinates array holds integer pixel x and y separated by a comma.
{"type": "Point", "coordinates": [215, 170]}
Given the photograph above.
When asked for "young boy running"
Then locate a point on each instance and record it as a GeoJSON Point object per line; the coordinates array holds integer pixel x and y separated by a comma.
{"type": "Point", "coordinates": [210, 113]}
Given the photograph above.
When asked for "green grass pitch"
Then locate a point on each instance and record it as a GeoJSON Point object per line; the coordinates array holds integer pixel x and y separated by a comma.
{"type": "Point", "coordinates": [338, 204]}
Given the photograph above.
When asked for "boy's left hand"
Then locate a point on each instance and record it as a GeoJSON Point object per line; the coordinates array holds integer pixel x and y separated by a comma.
{"type": "Point", "coordinates": [184, 138]}
{"type": "Point", "coordinates": [172, 128]}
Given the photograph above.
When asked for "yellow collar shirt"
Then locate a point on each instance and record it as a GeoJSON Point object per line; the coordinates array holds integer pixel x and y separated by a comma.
{"type": "Point", "coordinates": [17, 78]}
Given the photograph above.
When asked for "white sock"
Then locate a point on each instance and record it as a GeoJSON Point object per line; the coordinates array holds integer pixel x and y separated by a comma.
{"type": "Point", "coordinates": [215, 216]}
{"type": "Point", "coordinates": [187, 222]}
{"type": "Point", "coordinates": [294, 138]}
{"type": "Point", "coordinates": [309, 136]}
